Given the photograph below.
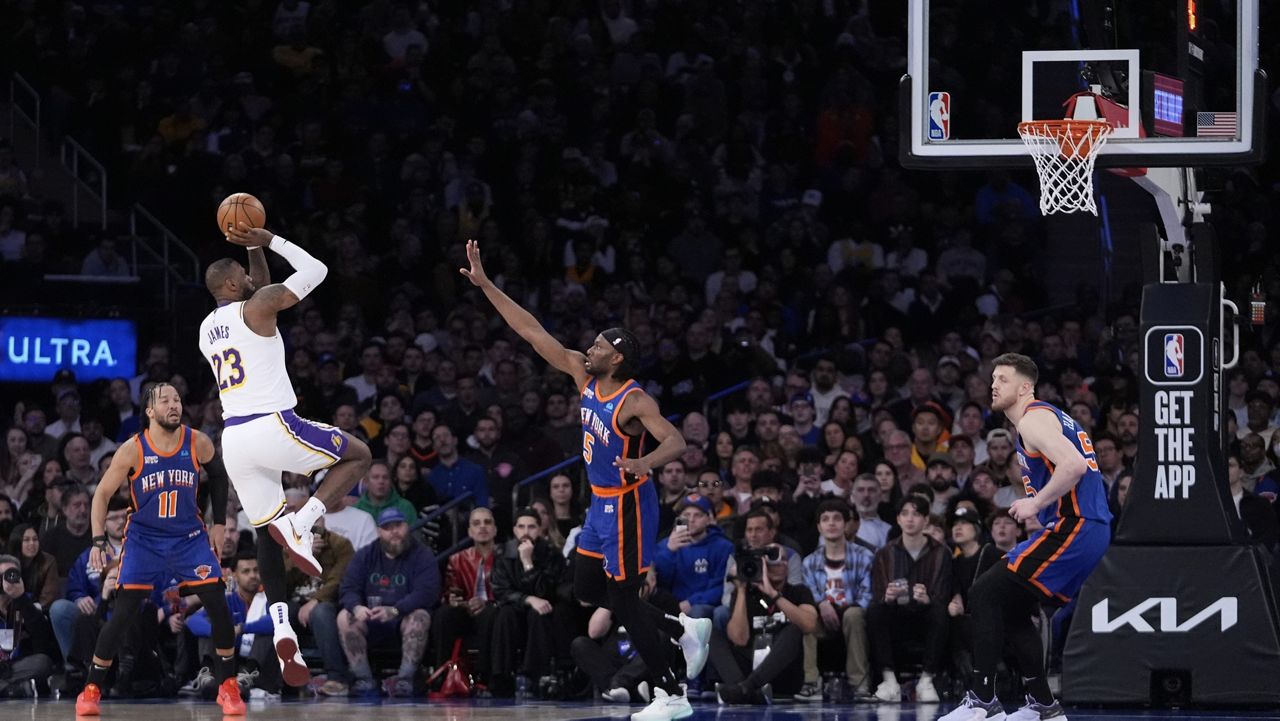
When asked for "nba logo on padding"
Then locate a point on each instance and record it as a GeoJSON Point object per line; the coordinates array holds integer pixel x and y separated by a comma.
{"type": "Point", "coordinates": [1174, 358]}
{"type": "Point", "coordinates": [939, 116]}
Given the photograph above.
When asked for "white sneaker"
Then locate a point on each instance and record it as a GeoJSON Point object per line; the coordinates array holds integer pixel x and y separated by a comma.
{"type": "Point", "coordinates": [696, 644]}
{"type": "Point", "coordinates": [664, 707]}
{"type": "Point", "coordinates": [925, 692]}
{"type": "Point", "coordinates": [971, 708]}
{"type": "Point", "coordinates": [1033, 711]}
{"type": "Point", "coordinates": [293, 669]}
{"type": "Point", "coordinates": [889, 692]}
{"type": "Point", "coordinates": [295, 542]}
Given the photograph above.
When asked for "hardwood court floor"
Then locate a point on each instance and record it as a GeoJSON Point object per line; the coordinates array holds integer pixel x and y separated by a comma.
{"type": "Point", "coordinates": [355, 710]}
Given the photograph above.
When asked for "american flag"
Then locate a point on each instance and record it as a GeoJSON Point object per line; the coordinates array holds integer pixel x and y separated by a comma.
{"type": "Point", "coordinates": [1209, 125]}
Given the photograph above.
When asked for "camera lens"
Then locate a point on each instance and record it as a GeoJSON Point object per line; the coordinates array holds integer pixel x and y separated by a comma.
{"type": "Point", "coordinates": [12, 575]}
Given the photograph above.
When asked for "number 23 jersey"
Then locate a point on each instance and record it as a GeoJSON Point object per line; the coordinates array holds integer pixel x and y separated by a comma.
{"type": "Point", "coordinates": [249, 368]}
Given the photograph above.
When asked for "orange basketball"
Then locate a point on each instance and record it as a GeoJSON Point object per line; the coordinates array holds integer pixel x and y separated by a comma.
{"type": "Point", "coordinates": [240, 208]}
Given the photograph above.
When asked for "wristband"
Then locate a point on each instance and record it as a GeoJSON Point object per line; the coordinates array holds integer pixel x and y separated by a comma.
{"type": "Point", "coordinates": [100, 542]}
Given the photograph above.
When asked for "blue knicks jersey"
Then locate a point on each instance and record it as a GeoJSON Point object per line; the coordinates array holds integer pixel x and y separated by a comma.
{"type": "Point", "coordinates": [1088, 499]}
{"type": "Point", "coordinates": [603, 440]}
{"type": "Point", "coordinates": [163, 487]}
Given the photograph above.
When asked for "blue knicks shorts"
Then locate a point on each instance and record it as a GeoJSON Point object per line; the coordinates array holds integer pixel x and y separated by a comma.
{"type": "Point", "coordinates": [1055, 561]}
{"type": "Point", "coordinates": [622, 529]}
{"type": "Point", "coordinates": [150, 559]}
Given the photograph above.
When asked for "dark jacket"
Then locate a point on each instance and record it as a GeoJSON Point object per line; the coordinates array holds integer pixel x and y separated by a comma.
{"type": "Point", "coordinates": [409, 581]}
{"type": "Point", "coordinates": [932, 568]}
{"type": "Point", "coordinates": [512, 584]}
{"type": "Point", "coordinates": [34, 634]}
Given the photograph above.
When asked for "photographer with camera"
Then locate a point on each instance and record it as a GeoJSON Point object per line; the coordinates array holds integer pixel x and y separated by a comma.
{"type": "Point", "coordinates": [27, 645]}
{"type": "Point", "coordinates": [759, 530]}
{"type": "Point", "coordinates": [763, 643]}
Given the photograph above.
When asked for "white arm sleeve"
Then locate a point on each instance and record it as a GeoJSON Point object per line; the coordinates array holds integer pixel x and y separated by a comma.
{"type": "Point", "coordinates": [308, 272]}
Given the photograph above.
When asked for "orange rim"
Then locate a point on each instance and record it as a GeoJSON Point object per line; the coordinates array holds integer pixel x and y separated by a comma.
{"type": "Point", "coordinates": [1074, 136]}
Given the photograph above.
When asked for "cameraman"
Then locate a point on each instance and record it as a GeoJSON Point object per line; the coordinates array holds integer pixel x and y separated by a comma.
{"type": "Point", "coordinates": [764, 640]}
{"type": "Point", "coordinates": [759, 531]}
{"type": "Point", "coordinates": [27, 644]}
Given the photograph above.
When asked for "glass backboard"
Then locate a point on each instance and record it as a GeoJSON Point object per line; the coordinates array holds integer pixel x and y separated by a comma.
{"type": "Point", "coordinates": [1179, 79]}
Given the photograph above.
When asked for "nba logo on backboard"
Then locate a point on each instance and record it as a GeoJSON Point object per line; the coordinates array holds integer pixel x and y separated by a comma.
{"type": "Point", "coordinates": [939, 116]}
{"type": "Point", "coordinates": [1174, 359]}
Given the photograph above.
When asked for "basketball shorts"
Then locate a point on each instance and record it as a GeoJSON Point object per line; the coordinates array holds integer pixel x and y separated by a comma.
{"type": "Point", "coordinates": [621, 529]}
{"type": "Point", "coordinates": [1055, 561]}
{"type": "Point", "coordinates": [257, 448]}
{"type": "Point", "coordinates": [150, 559]}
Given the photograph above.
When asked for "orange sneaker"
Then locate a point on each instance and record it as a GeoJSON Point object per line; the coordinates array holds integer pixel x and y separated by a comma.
{"type": "Point", "coordinates": [229, 698]}
{"type": "Point", "coordinates": [87, 701]}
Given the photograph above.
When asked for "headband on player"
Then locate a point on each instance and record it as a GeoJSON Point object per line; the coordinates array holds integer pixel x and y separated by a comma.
{"type": "Point", "coordinates": [624, 342]}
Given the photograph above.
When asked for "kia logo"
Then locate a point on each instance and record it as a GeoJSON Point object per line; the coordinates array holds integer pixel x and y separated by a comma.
{"type": "Point", "coordinates": [1226, 608]}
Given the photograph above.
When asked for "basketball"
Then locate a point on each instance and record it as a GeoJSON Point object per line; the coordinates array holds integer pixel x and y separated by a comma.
{"type": "Point", "coordinates": [240, 207]}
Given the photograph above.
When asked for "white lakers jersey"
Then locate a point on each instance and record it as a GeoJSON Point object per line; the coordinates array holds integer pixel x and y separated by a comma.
{"type": "Point", "coordinates": [249, 369]}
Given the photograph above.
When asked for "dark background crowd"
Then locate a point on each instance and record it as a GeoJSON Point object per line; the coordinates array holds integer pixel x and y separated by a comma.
{"type": "Point", "coordinates": [720, 178]}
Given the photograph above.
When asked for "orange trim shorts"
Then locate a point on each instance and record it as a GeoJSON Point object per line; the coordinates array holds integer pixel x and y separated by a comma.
{"type": "Point", "coordinates": [1055, 561]}
{"type": "Point", "coordinates": [622, 530]}
{"type": "Point", "coordinates": [151, 559]}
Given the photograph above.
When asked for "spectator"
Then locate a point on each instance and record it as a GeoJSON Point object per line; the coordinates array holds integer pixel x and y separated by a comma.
{"type": "Point", "coordinates": [755, 605]}
{"type": "Point", "coordinates": [758, 531]}
{"type": "Point", "coordinates": [745, 464]}
{"type": "Point", "coordinates": [898, 452]}
{"type": "Point", "coordinates": [838, 574]}
{"type": "Point", "coordinates": [824, 390]}
{"type": "Point", "coordinates": [501, 464]}
{"type": "Point", "coordinates": [352, 524]}
{"type": "Point", "coordinates": [84, 583]}
{"type": "Point", "coordinates": [866, 499]}
{"type": "Point", "coordinates": [410, 484]}
{"type": "Point", "coordinates": [68, 408]}
{"type": "Point", "coordinates": [1254, 463]}
{"type": "Point", "coordinates": [75, 454]}
{"type": "Point", "coordinates": [254, 641]}
{"type": "Point", "coordinates": [1260, 416]}
{"type": "Point", "coordinates": [1258, 514]}
{"type": "Point", "coordinates": [1004, 530]}
{"type": "Point", "coordinates": [841, 482]}
{"type": "Point", "coordinates": [387, 594]}
{"type": "Point", "coordinates": [455, 475]}
{"type": "Point", "coordinates": [469, 607]}
{"type": "Point", "coordinates": [524, 583]}
{"type": "Point", "coordinates": [39, 568]}
{"type": "Point", "coordinates": [314, 601]}
{"type": "Point", "coordinates": [691, 561]}
{"type": "Point", "coordinates": [99, 445]}
{"type": "Point", "coordinates": [973, 558]}
{"type": "Point", "coordinates": [71, 537]}
{"type": "Point", "coordinates": [29, 654]}
{"type": "Point", "coordinates": [105, 261]}
{"type": "Point", "coordinates": [911, 587]}
{"type": "Point", "coordinates": [379, 494]}
{"type": "Point", "coordinates": [941, 477]}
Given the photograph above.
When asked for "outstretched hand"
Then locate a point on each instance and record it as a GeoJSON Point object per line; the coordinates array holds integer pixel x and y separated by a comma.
{"type": "Point", "coordinates": [242, 234]}
{"type": "Point", "coordinates": [475, 273]}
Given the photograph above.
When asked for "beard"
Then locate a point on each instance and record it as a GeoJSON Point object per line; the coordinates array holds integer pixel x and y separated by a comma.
{"type": "Point", "coordinates": [941, 483]}
{"type": "Point", "coordinates": [393, 547]}
{"type": "Point", "coordinates": [166, 424]}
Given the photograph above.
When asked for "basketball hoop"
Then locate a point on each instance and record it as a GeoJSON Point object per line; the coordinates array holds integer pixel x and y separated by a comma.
{"type": "Point", "coordinates": [1064, 152]}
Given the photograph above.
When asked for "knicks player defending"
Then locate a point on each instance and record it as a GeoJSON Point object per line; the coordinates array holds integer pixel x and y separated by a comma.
{"type": "Point", "coordinates": [263, 435]}
{"type": "Point", "coordinates": [164, 537]}
{"type": "Point", "coordinates": [620, 532]}
{"type": "Point", "coordinates": [1064, 488]}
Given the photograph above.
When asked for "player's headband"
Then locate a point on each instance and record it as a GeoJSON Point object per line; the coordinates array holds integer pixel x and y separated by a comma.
{"type": "Point", "coordinates": [624, 342]}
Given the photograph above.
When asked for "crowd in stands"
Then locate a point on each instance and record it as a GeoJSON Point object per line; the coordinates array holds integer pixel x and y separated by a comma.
{"type": "Point", "coordinates": [719, 178]}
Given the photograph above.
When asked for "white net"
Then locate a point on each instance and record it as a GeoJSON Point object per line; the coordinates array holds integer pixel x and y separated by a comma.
{"type": "Point", "coordinates": [1064, 152]}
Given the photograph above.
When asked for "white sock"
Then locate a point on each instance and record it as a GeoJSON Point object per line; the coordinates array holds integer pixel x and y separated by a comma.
{"type": "Point", "coordinates": [925, 677]}
{"type": "Point", "coordinates": [891, 677]}
{"type": "Point", "coordinates": [280, 615]}
{"type": "Point", "coordinates": [307, 516]}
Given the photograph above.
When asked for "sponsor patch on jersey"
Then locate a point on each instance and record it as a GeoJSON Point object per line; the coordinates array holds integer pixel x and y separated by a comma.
{"type": "Point", "coordinates": [151, 459]}
{"type": "Point", "coordinates": [203, 571]}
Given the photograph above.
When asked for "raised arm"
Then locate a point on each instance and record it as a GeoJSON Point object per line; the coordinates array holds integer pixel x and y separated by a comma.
{"type": "Point", "coordinates": [523, 322]}
{"type": "Point", "coordinates": [1040, 431]}
{"type": "Point", "coordinates": [268, 300]}
{"type": "Point", "coordinates": [641, 406]}
{"type": "Point", "coordinates": [116, 475]}
{"type": "Point", "coordinates": [259, 271]}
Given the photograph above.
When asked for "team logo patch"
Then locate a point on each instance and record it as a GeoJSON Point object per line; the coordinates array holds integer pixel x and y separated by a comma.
{"type": "Point", "coordinates": [183, 454]}
{"type": "Point", "coordinates": [336, 439]}
{"type": "Point", "coordinates": [203, 571]}
{"type": "Point", "coordinates": [608, 406]}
